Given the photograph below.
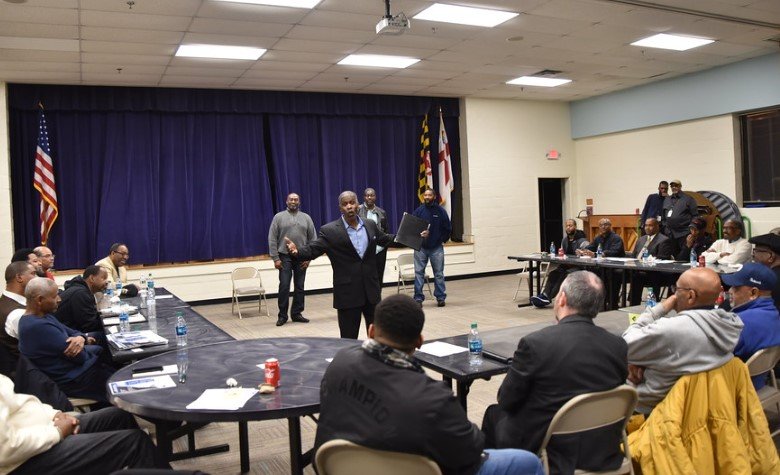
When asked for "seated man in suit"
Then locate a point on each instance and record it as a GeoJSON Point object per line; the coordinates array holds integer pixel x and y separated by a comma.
{"type": "Point", "coordinates": [115, 264]}
{"type": "Point", "coordinates": [733, 248]}
{"type": "Point", "coordinates": [573, 240]}
{"type": "Point", "coordinates": [699, 338]}
{"type": "Point", "coordinates": [660, 247]}
{"type": "Point", "coordinates": [36, 439]}
{"type": "Point", "coordinates": [550, 367]}
{"type": "Point", "coordinates": [78, 307]}
{"type": "Point", "coordinates": [751, 299]}
{"type": "Point", "coordinates": [28, 255]}
{"type": "Point", "coordinates": [68, 357]}
{"type": "Point", "coordinates": [377, 395]}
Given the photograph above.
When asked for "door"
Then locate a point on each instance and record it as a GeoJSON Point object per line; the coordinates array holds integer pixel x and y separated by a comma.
{"type": "Point", "coordinates": [550, 211]}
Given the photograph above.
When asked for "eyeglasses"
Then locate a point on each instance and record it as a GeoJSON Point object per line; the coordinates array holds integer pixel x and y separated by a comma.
{"type": "Point", "coordinates": [126, 254]}
{"type": "Point", "coordinates": [605, 225]}
{"type": "Point", "coordinates": [674, 288]}
{"type": "Point", "coordinates": [768, 251]}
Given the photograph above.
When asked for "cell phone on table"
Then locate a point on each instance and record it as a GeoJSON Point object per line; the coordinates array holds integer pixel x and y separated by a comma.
{"type": "Point", "coordinates": [148, 369]}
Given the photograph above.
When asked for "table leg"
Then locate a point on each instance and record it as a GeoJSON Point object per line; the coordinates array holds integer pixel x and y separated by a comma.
{"type": "Point", "coordinates": [463, 392]}
{"type": "Point", "coordinates": [164, 441]}
{"type": "Point", "coordinates": [243, 445]}
{"type": "Point", "coordinates": [296, 457]}
{"type": "Point", "coordinates": [533, 270]}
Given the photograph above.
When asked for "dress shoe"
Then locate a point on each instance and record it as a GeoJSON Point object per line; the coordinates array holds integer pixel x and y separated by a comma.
{"type": "Point", "coordinates": [440, 303]}
{"type": "Point", "coordinates": [300, 319]}
{"type": "Point", "coordinates": [281, 321]}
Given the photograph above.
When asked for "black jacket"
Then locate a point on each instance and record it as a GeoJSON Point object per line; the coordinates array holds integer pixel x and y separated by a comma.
{"type": "Point", "coordinates": [661, 247]}
{"type": "Point", "coordinates": [683, 209]}
{"type": "Point", "coordinates": [611, 244]}
{"type": "Point", "coordinates": [78, 309]}
{"type": "Point", "coordinates": [550, 367]}
{"type": "Point", "coordinates": [374, 404]}
{"type": "Point", "coordinates": [355, 280]}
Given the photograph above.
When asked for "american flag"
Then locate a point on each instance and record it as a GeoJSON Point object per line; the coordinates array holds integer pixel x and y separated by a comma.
{"type": "Point", "coordinates": [43, 180]}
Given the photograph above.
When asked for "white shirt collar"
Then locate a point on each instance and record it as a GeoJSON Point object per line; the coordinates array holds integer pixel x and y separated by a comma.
{"type": "Point", "coordinates": [19, 298]}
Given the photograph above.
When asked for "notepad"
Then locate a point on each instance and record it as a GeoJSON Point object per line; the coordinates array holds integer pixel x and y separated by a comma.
{"type": "Point", "coordinates": [230, 399]}
{"type": "Point", "coordinates": [141, 384]}
{"type": "Point", "coordinates": [439, 348]}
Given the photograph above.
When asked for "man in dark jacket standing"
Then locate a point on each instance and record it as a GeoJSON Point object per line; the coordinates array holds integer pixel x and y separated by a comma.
{"type": "Point", "coordinates": [78, 308]}
{"type": "Point", "coordinates": [438, 233]}
{"type": "Point", "coordinates": [369, 210]}
{"type": "Point", "coordinates": [377, 395]}
{"type": "Point", "coordinates": [679, 210]}
{"type": "Point", "coordinates": [550, 367]}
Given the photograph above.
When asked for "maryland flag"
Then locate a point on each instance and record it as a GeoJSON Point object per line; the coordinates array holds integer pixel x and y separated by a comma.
{"type": "Point", "coordinates": [425, 176]}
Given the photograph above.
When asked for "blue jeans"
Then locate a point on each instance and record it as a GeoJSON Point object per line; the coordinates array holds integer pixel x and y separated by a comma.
{"type": "Point", "coordinates": [511, 462]}
{"type": "Point", "coordinates": [421, 258]}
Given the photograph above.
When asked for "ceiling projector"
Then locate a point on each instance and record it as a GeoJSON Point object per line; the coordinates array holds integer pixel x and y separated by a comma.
{"type": "Point", "coordinates": [393, 25]}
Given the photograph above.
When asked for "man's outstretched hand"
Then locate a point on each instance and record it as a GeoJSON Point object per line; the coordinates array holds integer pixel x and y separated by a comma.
{"type": "Point", "coordinates": [290, 246]}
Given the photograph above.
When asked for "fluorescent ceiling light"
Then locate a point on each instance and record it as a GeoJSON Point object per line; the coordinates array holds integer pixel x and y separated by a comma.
{"type": "Point", "coordinates": [673, 42]}
{"type": "Point", "coordinates": [280, 3]}
{"type": "Point", "coordinates": [538, 81]}
{"type": "Point", "coordinates": [464, 15]}
{"type": "Point", "coordinates": [378, 60]}
{"type": "Point", "coordinates": [220, 52]}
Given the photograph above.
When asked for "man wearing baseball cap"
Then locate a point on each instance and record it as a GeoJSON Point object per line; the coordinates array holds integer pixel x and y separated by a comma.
{"type": "Point", "coordinates": [678, 211]}
{"type": "Point", "coordinates": [767, 252]}
{"type": "Point", "coordinates": [751, 300]}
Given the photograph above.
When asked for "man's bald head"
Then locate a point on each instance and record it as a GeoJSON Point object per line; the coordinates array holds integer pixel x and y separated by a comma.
{"type": "Point", "coordinates": [697, 287]}
{"type": "Point", "coordinates": [39, 287]}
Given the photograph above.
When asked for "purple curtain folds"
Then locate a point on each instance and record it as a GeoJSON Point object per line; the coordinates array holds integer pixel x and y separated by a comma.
{"type": "Point", "coordinates": [133, 165]}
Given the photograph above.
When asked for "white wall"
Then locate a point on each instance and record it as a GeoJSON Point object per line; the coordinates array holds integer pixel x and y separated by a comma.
{"type": "Point", "coordinates": [6, 224]}
{"type": "Point", "coordinates": [619, 170]}
{"type": "Point", "coordinates": [506, 142]}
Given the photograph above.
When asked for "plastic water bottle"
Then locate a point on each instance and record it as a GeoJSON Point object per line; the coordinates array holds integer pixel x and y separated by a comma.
{"type": "Point", "coordinates": [182, 361]}
{"type": "Point", "coordinates": [119, 288]}
{"type": "Point", "coordinates": [552, 249]}
{"type": "Point", "coordinates": [124, 322]}
{"type": "Point", "coordinates": [150, 286]}
{"type": "Point", "coordinates": [651, 300]}
{"type": "Point", "coordinates": [142, 281]}
{"type": "Point", "coordinates": [599, 252]}
{"type": "Point", "coordinates": [645, 254]}
{"type": "Point", "coordinates": [694, 258]}
{"type": "Point", "coordinates": [181, 330]}
{"type": "Point", "coordinates": [475, 346]}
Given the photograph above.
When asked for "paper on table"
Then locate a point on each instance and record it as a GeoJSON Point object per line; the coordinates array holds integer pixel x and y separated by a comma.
{"type": "Point", "coordinates": [132, 319]}
{"type": "Point", "coordinates": [439, 348]}
{"type": "Point", "coordinates": [621, 259]}
{"type": "Point", "coordinates": [160, 297]}
{"type": "Point", "coordinates": [230, 399]}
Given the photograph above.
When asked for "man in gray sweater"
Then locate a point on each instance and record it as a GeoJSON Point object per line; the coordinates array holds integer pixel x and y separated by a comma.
{"type": "Point", "coordinates": [299, 228]}
{"type": "Point", "coordinates": [700, 337]}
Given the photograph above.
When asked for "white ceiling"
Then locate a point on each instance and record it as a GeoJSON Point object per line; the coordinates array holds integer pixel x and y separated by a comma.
{"type": "Point", "coordinates": [106, 42]}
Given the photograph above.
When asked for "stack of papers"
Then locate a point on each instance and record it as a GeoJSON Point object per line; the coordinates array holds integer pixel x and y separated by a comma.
{"type": "Point", "coordinates": [132, 319]}
{"type": "Point", "coordinates": [137, 339]}
{"type": "Point", "coordinates": [141, 384]}
{"type": "Point", "coordinates": [230, 399]}
{"type": "Point", "coordinates": [439, 348]}
{"type": "Point", "coordinates": [115, 310]}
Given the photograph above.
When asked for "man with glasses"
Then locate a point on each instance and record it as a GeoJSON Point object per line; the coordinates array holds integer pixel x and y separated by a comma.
{"type": "Point", "coordinates": [751, 299]}
{"type": "Point", "coordinates": [733, 248]}
{"type": "Point", "coordinates": [678, 211]}
{"type": "Point", "coordinates": [114, 264]}
{"type": "Point", "coordinates": [663, 346]}
{"type": "Point", "coordinates": [767, 252]}
{"type": "Point", "coordinates": [46, 259]}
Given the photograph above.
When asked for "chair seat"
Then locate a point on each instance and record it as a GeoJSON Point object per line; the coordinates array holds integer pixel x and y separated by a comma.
{"type": "Point", "coordinates": [768, 395]}
{"type": "Point", "coordinates": [625, 467]}
{"type": "Point", "coordinates": [249, 290]}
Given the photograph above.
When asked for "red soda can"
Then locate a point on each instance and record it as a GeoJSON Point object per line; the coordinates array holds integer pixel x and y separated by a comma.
{"type": "Point", "coordinates": [701, 260]}
{"type": "Point", "coordinates": [272, 372]}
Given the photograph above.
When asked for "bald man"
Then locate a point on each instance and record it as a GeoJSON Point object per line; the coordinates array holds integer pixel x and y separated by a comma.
{"type": "Point", "coordinates": [699, 337]}
{"type": "Point", "coordinates": [46, 258]}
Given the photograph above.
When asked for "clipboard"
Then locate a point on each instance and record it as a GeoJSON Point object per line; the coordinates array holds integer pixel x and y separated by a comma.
{"type": "Point", "coordinates": [409, 231]}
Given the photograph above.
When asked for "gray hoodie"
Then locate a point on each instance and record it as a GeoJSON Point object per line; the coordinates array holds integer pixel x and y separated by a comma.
{"type": "Point", "coordinates": [693, 341]}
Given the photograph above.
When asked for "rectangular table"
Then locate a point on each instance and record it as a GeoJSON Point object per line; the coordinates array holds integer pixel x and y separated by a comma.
{"type": "Point", "coordinates": [608, 264]}
{"type": "Point", "coordinates": [457, 367]}
{"type": "Point", "coordinates": [199, 330]}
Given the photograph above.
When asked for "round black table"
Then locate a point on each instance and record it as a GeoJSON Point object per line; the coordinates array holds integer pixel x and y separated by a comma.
{"type": "Point", "coordinates": [302, 362]}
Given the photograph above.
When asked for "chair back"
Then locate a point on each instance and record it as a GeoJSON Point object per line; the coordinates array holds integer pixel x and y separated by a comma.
{"type": "Point", "coordinates": [342, 457]}
{"type": "Point", "coordinates": [406, 264]}
{"type": "Point", "coordinates": [592, 411]}
{"type": "Point", "coordinates": [763, 361]}
{"type": "Point", "coordinates": [245, 273]}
